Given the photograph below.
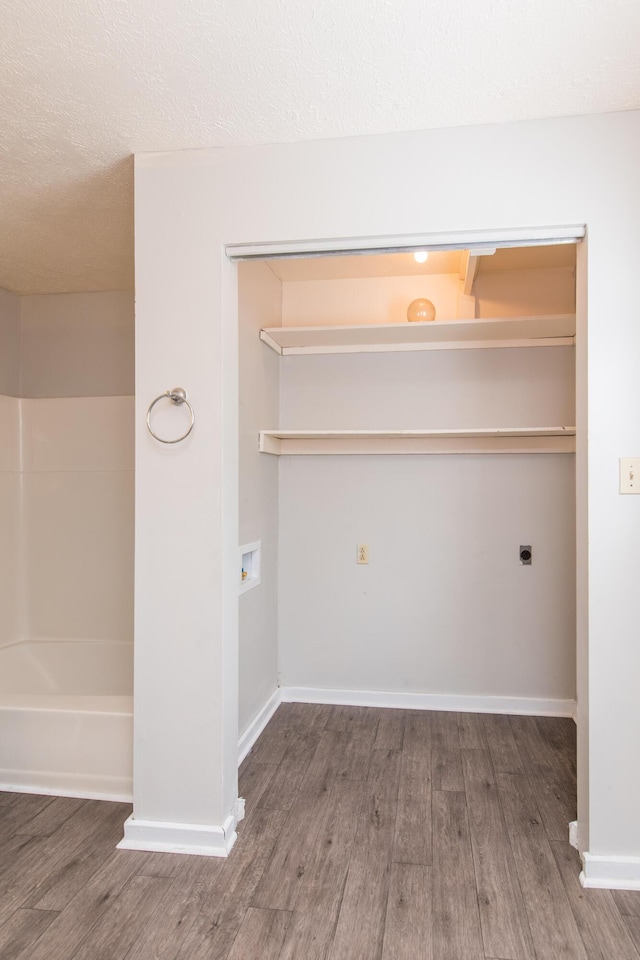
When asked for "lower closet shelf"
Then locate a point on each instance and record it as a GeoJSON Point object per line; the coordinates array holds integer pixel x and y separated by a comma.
{"type": "Point", "coordinates": [493, 440]}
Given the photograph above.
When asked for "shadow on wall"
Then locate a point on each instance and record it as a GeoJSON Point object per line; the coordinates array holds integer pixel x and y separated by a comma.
{"type": "Point", "coordinates": [69, 237]}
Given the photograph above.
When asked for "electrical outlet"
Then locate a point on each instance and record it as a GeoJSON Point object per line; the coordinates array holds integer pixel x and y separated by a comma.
{"type": "Point", "coordinates": [363, 553]}
{"type": "Point", "coordinates": [629, 474]}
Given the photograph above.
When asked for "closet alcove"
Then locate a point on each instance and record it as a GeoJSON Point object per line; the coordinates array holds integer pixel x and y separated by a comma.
{"type": "Point", "coordinates": [443, 447]}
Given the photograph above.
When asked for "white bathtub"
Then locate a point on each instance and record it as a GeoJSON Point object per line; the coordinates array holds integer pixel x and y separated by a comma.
{"type": "Point", "coordinates": [66, 718]}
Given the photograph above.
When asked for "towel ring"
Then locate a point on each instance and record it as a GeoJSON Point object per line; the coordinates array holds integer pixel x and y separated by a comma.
{"type": "Point", "coordinates": [177, 396]}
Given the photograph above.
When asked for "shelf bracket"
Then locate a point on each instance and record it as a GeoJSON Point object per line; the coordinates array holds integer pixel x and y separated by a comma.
{"type": "Point", "coordinates": [469, 263]}
{"type": "Point", "coordinates": [468, 270]}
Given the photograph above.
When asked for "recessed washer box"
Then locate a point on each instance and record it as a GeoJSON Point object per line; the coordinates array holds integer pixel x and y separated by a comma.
{"type": "Point", "coordinates": [250, 555]}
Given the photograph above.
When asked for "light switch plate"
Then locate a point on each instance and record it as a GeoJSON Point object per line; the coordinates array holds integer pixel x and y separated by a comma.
{"type": "Point", "coordinates": [629, 474]}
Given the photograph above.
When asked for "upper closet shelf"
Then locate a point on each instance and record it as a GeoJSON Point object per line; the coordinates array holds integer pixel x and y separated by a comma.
{"type": "Point", "coordinates": [496, 440]}
{"type": "Point", "coordinates": [549, 331]}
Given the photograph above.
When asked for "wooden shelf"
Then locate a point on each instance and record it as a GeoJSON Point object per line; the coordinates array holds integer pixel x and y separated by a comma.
{"type": "Point", "coordinates": [496, 440]}
{"type": "Point", "coordinates": [549, 331]}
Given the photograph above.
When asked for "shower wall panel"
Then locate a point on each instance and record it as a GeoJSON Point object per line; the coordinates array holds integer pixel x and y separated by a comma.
{"type": "Point", "coordinates": [11, 553]}
{"type": "Point", "coordinates": [78, 514]}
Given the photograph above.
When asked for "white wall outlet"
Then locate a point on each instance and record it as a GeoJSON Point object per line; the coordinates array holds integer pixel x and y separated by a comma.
{"type": "Point", "coordinates": [363, 553]}
{"type": "Point", "coordinates": [629, 474]}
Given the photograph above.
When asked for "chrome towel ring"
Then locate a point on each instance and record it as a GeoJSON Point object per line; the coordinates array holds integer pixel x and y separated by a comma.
{"type": "Point", "coordinates": [177, 396]}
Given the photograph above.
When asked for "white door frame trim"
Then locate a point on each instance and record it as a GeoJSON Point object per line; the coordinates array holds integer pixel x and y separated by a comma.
{"type": "Point", "coordinates": [505, 237]}
{"type": "Point", "coordinates": [336, 246]}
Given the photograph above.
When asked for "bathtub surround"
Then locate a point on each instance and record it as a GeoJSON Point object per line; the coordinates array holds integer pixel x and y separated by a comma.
{"type": "Point", "coordinates": [71, 464]}
{"type": "Point", "coordinates": [77, 475]}
{"type": "Point", "coordinates": [66, 668]}
{"type": "Point", "coordinates": [11, 555]}
{"type": "Point", "coordinates": [74, 745]}
{"type": "Point", "coordinates": [66, 507]}
{"type": "Point", "coordinates": [66, 640]}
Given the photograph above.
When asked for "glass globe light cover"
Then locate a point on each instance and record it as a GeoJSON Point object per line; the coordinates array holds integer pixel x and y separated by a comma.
{"type": "Point", "coordinates": [420, 311]}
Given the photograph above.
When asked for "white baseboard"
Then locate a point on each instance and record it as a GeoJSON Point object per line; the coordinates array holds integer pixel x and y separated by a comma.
{"type": "Point", "coordinates": [117, 789]}
{"type": "Point", "coordinates": [528, 706]}
{"type": "Point", "coordinates": [258, 724]}
{"type": "Point", "coordinates": [202, 840]}
{"type": "Point", "coordinates": [610, 873]}
{"type": "Point", "coordinates": [216, 841]}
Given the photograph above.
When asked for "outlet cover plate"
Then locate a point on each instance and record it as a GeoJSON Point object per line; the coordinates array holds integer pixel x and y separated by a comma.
{"type": "Point", "coordinates": [629, 474]}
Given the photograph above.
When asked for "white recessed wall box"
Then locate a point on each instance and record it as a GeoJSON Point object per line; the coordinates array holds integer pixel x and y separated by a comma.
{"type": "Point", "coordinates": [250, 556]}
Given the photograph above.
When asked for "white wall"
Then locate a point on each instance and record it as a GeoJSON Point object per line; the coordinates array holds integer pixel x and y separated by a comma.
{"type": "Point", "coordinates": [520, 293]}
{"type": "Point", "coordinates": [444, 605]}
{"type": "Point", "coordinates": [308, 303]}
{"type": "Point", "coordinates": [500, 293]}
{"type": "Point", "coordinates": [447, 389]}
{"type": "Point", "coordinates": [9, 343]}
{"type": "Point", "coordinates": [259, 305]}
{"type": "Point", "coordinates": [185, 744]}
{"type": "Point", "coordinates": [188, 206]}
{"type": "Point", "coordinates": [77, 345]}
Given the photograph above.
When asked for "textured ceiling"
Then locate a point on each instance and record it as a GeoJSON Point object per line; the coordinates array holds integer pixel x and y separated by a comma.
{"type": "Point", "coordinates": [85, 83]}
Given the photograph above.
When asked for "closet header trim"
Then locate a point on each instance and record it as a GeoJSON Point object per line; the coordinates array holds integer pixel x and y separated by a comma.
{"type": "Point", "coordinates": [472, 240]}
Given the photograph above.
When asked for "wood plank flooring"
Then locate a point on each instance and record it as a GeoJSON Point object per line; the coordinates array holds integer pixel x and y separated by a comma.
{"type": "Point", "coordinates": [370, 835]}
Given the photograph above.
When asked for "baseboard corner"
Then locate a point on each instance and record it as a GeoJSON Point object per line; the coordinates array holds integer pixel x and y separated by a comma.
{"type": "Point", "coordinates": [610, 873]}
{"type": "Point", "coordinates": [202, 840]}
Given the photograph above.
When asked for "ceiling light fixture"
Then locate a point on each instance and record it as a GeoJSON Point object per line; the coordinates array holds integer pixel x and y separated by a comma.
{"type": "Point", "coordinates": [420, 256]}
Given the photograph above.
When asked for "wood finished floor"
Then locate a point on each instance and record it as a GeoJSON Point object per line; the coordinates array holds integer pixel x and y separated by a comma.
{"type": "Point", "coordinates": [370, 835]}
